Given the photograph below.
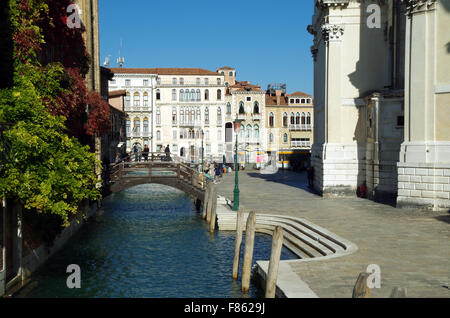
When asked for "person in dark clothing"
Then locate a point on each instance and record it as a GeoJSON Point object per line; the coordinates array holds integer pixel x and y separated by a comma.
{"type": "Point", "coordinates": [136, 152]}
{"type": "Point", "coordinates": [167, 151]}
{"type": "Point", "coordinates": [145, 153]}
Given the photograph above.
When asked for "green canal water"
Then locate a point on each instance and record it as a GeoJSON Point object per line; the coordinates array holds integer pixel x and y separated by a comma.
{"type": "Point", "coordinates": [148, 241]}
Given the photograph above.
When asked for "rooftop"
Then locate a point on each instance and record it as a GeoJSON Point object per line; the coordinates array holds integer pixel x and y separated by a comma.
{"type": "Point", "coordinates": [164, 71]}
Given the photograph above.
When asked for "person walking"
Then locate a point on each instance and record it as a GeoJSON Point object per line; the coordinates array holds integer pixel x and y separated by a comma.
{"type": "Point", "coordinates": [136, 152]}
{"type": "Point", "coordinates": [167, 151]}
{"type": "Point", "coordinates": [145, 153]}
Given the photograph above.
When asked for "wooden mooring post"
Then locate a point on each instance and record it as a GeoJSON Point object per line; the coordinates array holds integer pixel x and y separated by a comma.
{"type": "Point", "coordinates": [361, 290]}
{"type": "Point", "coordinates": [275, 253]}
{"type": "Point", "coordinates": [212, 225]}
{"type": "Point", "coordinates": [212, 198]}
{"type": "Point", "coordinates": [248, 252]}
{"type": "Point", "coordinates": [206, 200]}
{"type": "Point", "coordinates": [238, 243]}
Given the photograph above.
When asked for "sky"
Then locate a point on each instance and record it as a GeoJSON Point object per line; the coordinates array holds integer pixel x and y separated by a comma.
{"type": "Point", "coordinates": [265, 41]}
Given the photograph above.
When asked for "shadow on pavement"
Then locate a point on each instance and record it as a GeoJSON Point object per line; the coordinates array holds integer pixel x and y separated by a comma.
{"type": "Point", "coordinates": [293, 179]}
{"type": "Point", "coordinates": [443, 218]}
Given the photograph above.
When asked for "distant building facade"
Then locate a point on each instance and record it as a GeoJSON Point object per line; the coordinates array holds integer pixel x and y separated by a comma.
{"type": "Point", "coordinates": [289, 125]}
{"type": "Point", "coordinates": [175, 107]}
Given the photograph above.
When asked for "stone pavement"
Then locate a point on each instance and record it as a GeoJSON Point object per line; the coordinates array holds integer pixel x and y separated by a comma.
{"type": "Point", "coordinates": [411, 246]}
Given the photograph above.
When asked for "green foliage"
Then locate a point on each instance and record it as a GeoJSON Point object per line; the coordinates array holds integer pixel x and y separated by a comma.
{"type": "Point", "coordinates": [47, 171]}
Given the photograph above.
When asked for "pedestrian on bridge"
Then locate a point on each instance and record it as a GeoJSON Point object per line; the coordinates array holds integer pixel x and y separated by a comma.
{"type": "Point", "coordinates": [145, 153]}
{"type": "Point", "coordinates": [167, 151]}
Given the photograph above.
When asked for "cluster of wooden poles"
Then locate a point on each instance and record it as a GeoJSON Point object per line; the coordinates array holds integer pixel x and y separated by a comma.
{"type": "Point", "coordinates": [209, 213]}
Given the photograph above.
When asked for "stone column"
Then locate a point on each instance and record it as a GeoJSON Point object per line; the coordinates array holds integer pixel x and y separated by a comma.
{"type": "Point", "coordinates": [424, 167]}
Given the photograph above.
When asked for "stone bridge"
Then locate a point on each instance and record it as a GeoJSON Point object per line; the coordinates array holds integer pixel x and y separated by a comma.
{"type": "Point", "coordinates": [156, 169]}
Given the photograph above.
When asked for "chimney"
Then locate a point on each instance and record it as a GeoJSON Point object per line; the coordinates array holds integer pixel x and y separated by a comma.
{"type": "Point", "coordinates": [278, 95]}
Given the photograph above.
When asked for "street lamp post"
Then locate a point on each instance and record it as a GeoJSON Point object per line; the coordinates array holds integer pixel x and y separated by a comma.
{"type": "Point", "coordinates": [203, 166]}
{"type": "Point", "coordinates": [237, 127]}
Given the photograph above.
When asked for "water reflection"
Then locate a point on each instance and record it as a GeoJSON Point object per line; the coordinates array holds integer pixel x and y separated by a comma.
{"type": "Point", "coordinates": [148, 242]}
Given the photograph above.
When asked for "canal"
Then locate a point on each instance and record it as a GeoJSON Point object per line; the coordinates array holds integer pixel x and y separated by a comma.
{"type": "Point", "coordinates": [148, 241]}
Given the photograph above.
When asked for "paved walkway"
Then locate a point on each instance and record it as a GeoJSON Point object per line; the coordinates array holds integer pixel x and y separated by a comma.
{"type": "Point", "coordinates": [412, 247]}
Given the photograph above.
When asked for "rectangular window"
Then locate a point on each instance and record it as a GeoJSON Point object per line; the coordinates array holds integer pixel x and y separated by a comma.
{"type": "Point", "coordinates": [219, 81]}
{"type": "Point", "coordinates": [219, 135]}
{"type": "Point", "coordinates": [112, 82]}
{"type": "Point", "coordinates": [174, 135]}
{"type": "Point", "coordinates": [249, 98]}
{"type": "Point", "coordinates": [158, 81]}
{"type": "Point", "coordinates": [181, 81]}
{"type": "Point", "coordinates": [175, 148]}
{"type": "Point", "coordinates": [220, 148]}
{"type": "Point", "coordinates": [145, 82]}
{"type": "Point", "coordinates": [208, 148]}
{"type": "Point", "coordinates": [127, 82]}
{"type": "Point", "coordinates": [400, 121]}
{"type": "Point", "coordinates": [206, 81]}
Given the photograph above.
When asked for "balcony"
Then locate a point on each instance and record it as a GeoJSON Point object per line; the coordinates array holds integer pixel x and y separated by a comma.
{"type": "Point", "coordinates": [136, 108]}
{"type": "Point", "coordinates": [242, 116]}
{"type": "Point", "coordinates": [300, 144]}
{"type": "Point", "coordinates": [191, 124]}
{"type": "Point", "coordinates": [256, 116]}
{"type": "Point", "coordinates": [300, 127]}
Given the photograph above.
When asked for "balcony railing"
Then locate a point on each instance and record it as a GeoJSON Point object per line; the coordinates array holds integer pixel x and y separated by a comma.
{"type": "Point", "coordinates": [256, 116]}
{"type": "Point", "coordinates": [191, 124]}
{"type": "Point", "coordinates": [242, 116]}
{"type": "Point", "coordinates": [300, 127]}
{"type": "Point", "coordinates": [300, 144]}
{"type": "Point", "coordinates": [136, 108]}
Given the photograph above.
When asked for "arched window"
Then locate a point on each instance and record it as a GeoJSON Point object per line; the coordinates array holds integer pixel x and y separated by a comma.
{"type": "Point", "coordinates": [198, 95]}
{"type": "Point", "coordinates": [158, 94]}
{"type": "Point", "coordinates": [182, 115]}
{"type": "Point", "coordinates": [285, 119]}
{"type": "Point", "coordinates": [158, 116]}
{"type": "Point", "coordinates": [192, 116]}
{"type": "Point", "coordinates": [228, 108]}
{"type": "Point", "coordinates": [256, 132]}
{"type": "Point", "coordinates": [271, 119]}
{"type": "Point", "coordinates": [137, 126]}
{"type": "Point", "coordinates": [206, 116]}
{"type": "Point", "coordinates": [174, 94]}
{"type": "Point", "coordinates": [219, 116]}
{"type": "Point", "coordinates": [127, 100]}
{"type": "Point", "coordinates": [292, 119]}
{"type": "Point", "coordinates": [270, 137]}
{"type": "Point", "coordinates": [308, 119]}
{"type": "Point", "coordinates": [158, 135]}
{"type": "Point", "coordinates": [285, 138]}
{"type": "Point", "coordinates": [198, 118]}
{"type": "Point", "coordinates": [174, 81]}
{"type": "Point", "coordinates": [241, 108]}
{"type": "Point", "coordinates": [145, 130]}
{"type": "Point", "coordinates": [174, 115]}
{"type": "Point", "coordinates": [303, 101]}
{"type": "Point", "coordinates": [136, 99]}
{"type": "Point", "coordinates": [128, 126]}
{"type": "Point", "coordinates": [248, 131]}
{"type": "Point", "coordinates": [303, 119]}
{"type": "Point", "coordinates": [297, 119]}
{"type": "Point", "coordinates": [206, 94]}
{"type": "Point", "coordinates": [181, 95]}
{"type": "Point", "coordinates": [230, 74]}
{"type": "Point", "coordinates": [145, 99]}
{"type": "Point", "coordinates": [242, 132]}
{"type": "Point", "coordinates": [219, 94]}
{"type": "Point", "coordinates": [256, 108]}
{"type": "Point", "coordinates": [193, 97]}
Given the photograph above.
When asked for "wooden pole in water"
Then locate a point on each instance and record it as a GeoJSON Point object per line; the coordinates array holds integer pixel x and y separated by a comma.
{"type": "Point", "coordinates": [272, 273]}
{"type": "Point", "coordinates": [361, 290]}
{"type": "Point", "coordinates": [238, 243]}
{"type": "Point", "coordinates": [206, 200]}
{"type": "Point", "coordinates": [248, 252]}
{"type": "Point", "coordinates": [212, 225]}
{"type": "Point", "coordinates": [210, 204]}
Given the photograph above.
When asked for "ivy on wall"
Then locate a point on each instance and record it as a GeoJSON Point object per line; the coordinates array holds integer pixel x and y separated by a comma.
{"type": "Point", "coordinates": [48, 169]}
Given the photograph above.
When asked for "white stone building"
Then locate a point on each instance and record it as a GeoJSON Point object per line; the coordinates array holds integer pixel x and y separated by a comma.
{"type": "Point", "coordinates": [173, 106]}
{"type": "Point", "coordinates": [381, 91]}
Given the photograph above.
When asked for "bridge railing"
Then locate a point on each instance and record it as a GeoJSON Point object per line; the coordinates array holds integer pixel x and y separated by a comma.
{"type": "Point", "coordinates": [184, 171]}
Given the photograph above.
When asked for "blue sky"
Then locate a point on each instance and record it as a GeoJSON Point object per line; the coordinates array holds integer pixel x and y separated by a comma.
{"type": "Point", "coordinates": [266, 41]}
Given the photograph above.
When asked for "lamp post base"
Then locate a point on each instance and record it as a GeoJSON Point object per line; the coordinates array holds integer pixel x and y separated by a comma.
{"type": "Point", "coordinates": [236, 200]}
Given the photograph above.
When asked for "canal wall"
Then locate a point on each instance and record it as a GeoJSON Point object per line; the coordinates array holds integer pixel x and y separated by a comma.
{"type": "Point", "coordinates": [33, 260]}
